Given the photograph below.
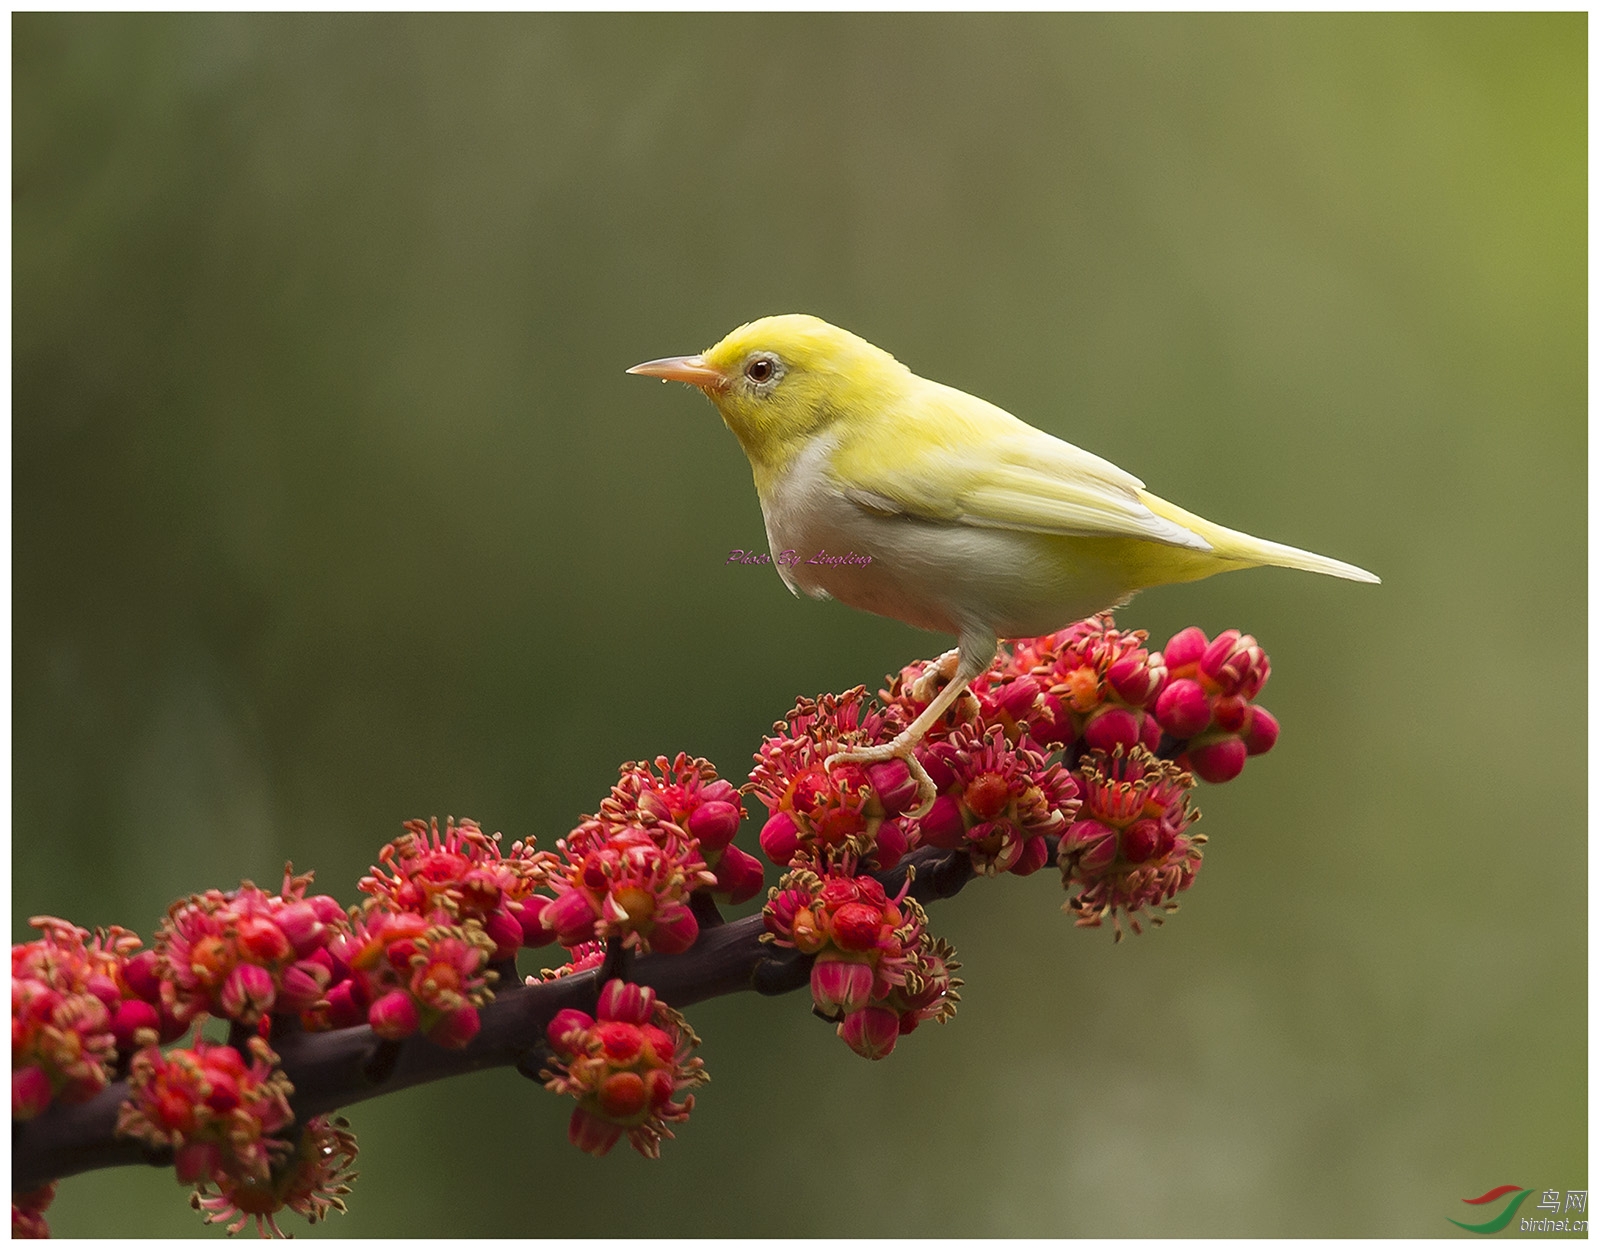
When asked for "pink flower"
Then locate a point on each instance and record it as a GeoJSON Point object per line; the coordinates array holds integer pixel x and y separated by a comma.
{"type": "Point", "coordinates": [27, 1212]}
{"type": "Point", "coordinates": [230, 953]}
{"type": "Point", "coordinates": [627, 1066]}
{"type": "Point", "coordinates": [870, 1032]}
{"type": "Point", "coordinates": [220, 1113]}
{"type": "Point", "coordinates": [816, 812]}
{"type": "Point", "coordinates": [1089, 681]}
{"type": "Point", "coordinates": [1131, 849]}
{"type": "Point", "coordinates": [630, 882]}
{"type": "Point", "coordinates": [873, 953]}
{"type": "Point", "coordinates": [309, 1179]}
{"type": "Point", "coordinates": [1207, 705]}
{"type": "Point", "coordinates": [463, 874]}
{"type": "Point", "coordinates": [66, 987]}
{"type": "Point", "coordinates": [996, 799]}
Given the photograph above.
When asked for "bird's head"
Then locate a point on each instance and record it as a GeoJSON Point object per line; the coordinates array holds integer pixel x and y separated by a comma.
{"type": "Point", "coordinates": [781, 380]}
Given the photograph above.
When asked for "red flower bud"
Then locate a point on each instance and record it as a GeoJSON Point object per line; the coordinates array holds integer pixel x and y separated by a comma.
{"type": "Point", "coordinates": [1140, 840]}
{"type": "Point", "coordinates": [394, 1016]}
{"type": "Point", "coordinates": [625, 1001]}
{"type": "Point", "coordinates": [567, 1029]}
{"type": "Point", "coordinates": [1052, 723]}
{"type": "Point", "coordinates": [301, 926]}
{"type": "Point", "coordinates": [1183, 709]}
{"type": "Point", "coordinates": [891, 844]}
{"type": "Point", "coordinates": [935, 763]}
{"type": "Point", "coordinates": [1035, 852]}
{"type": "Point", "coordinates": [1016, 699]}
{"type": "Point", "coordinates": [739, 875]}
{"type": "Point", "coordinates": [1219, 761]}
{"type": "Point", "coordinates": [1111, 727]}
{"type": "Point", "coordinates": [870, 1032]}
{"type": "Point", "coordinates": [856, 926]}
{"type": "Point", "coordinates": [780, 838]}
{"type": "Point", "coordinates": [897, 789]}
{"type": "Point", "coordinates": [673, 935]}
{"type": "Point", "coordinates": [1229, 712]}
{"type": "Point", "coordinates": [1261, 733]}
{"type": "Point", "coordinates": [30, 1092]}
{"type": "Point", "coordinates": [131, 1019]}
{"type": "Point", "coordinates": [1235, 664]}
{"type": "Point", "coordinates": [248, 993]}
{"type": "Point", "coordinates": [591, 1133]}
{"type": "Point", "coordinates": [714, 824]}
{"type": "Point", "coordinates": [344, 1006]}
{"type": "Point", "coordinates": [143, 976]}
{"type": "Point", "coordinates": [662, 1082]}
{"type": "Point", "coordinates": [506, 931]}
{"type": "Point", "coordinates": [1134, 679]}
{"type": "Point", "coordinates": [943, 826]}
{"type": "Point", "coordinates": [456, 1029]}
{"type": "Point", "coordinates": [571, 915]}
{"type": "Point", "coordinates": [535, 933]}
{"type": "Point", "coordinates": [303, 983]}
{"type": "Point", "coordinates": [1184, 649]}
{"type": "Point", "coordinates": [840, 985]}
{"type": "Point", "coordinates": [1093, 843]}
{"type": "Point", "coordinates": [104, 989]}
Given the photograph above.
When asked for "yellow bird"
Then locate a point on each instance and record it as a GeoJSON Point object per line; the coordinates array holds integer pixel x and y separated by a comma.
{"type": "Point", "coordinates": [976, 524]}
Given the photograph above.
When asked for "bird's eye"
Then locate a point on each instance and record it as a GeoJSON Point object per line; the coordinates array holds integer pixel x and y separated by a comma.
{"type": "Point", "coordinates": [760, 370]}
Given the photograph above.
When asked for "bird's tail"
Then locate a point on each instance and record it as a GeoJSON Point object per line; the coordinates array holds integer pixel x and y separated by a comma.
{"type": "Point", "coordinates": [1245, 549]}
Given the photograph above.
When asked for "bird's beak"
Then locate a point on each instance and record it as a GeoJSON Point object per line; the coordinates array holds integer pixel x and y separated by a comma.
{"type": "Point", "coordinates": [690, 369]}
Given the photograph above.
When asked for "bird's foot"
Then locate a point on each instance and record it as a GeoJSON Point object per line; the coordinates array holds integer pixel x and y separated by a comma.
{"type": "Point", "coordinates": [898, 748]}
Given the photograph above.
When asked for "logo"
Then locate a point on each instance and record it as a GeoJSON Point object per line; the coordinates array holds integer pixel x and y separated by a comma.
{"type": "Point", "coordinates": [1576, 1201]}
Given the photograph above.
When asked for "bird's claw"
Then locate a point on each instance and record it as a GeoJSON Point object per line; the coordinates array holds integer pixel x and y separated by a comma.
{"type": "Point", "coordinates": [927, 792]}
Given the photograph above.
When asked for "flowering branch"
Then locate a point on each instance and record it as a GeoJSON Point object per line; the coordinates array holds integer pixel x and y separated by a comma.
{"type": "Point", "coordinates": [337, 1068]}
{"type": "Point", "coordinates": [1076, 748]}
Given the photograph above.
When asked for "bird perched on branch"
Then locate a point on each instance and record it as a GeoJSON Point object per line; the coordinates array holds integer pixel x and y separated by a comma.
{"type": "Point", "coordinates": [977, 524]}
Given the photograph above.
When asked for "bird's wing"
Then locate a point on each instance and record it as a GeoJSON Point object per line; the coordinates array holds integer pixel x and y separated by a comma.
{"type": "Point", "coordinates": [948, 456]}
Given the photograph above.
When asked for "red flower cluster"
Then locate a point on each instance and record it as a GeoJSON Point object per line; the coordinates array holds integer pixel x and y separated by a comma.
{"type": "Point", "coordinates": [244, 954]}
{"type": "Point", "coordinates": [219, 1112]}
{"type": "Point", "coordinates": [1095, 693]}
{"type": "Point", "coordinates": [997, 801]}
{"type": "Point", "coordinates": [877, 971]}
{"type": "Point", "coordinates": [80, 1006]}
{"type": "Point", "coordinates": [628, 872]}
{"type": "Point", "coordinates": [1132, 849]}
{"type": "Point", "coordinates": [440, 909]}
{"type": "Point", "coordinates": [1206, 704]}
{"type": "Point", "coordinates": [626, 1066]}
{"type": "Point", "coordinates": [1090, 683]}
{"type": "Point", "coordinates": [403, 974]}
{"type": "Point", "coordinates": [230, 1126]}
{"type": "Point", "coordinates": [311, 1179]}
{"type": "Point", "coordinates": [458, 877]}
{"type": "Point", "coordinates": [816, 812]}
{"type": "Point", "coordinates": [27, 1212]}
{"type": "Point", "coordinates": [687, 792]}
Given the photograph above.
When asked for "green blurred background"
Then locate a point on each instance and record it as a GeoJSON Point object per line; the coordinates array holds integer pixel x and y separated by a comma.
{"type": "Point", "coordinates": [333, 507]}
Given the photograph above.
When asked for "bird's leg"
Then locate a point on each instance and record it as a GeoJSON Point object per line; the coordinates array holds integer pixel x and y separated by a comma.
{"type": "Point", "coordinates": [973, 656]}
